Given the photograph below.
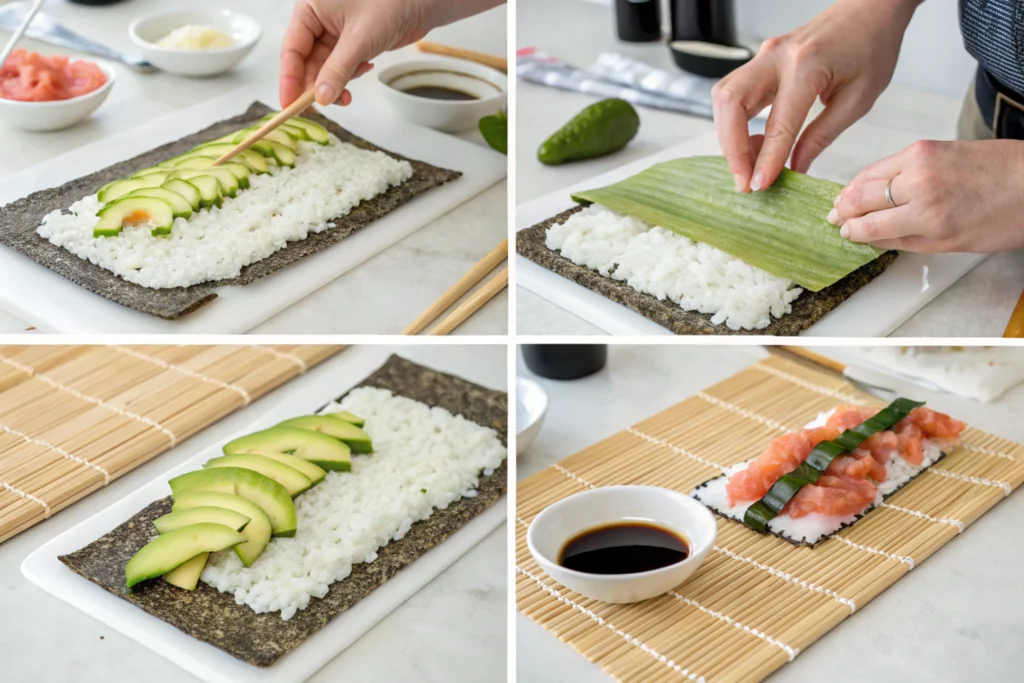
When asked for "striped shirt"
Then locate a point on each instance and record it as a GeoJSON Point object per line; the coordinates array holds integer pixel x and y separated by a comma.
{"type": "Point", "coordinates": [993, 32]}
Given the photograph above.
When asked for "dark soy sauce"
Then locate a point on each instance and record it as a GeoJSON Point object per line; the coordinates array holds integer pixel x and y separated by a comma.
{"type": "Point", "coordinates": [437, 92]}
{"type": "Point", "coordinates": [623, 548]}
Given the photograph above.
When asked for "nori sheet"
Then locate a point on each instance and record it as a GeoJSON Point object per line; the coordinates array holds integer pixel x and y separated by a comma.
{"type": "Point", "coordinates": [20, 219]}
{"type": "Point", "coordinates": [261, 639]}
{"type": "Point", "coordinates": [805, 544]}
{"type": "Point", "coordinates": [807, 309]}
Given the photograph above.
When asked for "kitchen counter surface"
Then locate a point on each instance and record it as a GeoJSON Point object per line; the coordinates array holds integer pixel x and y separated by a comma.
{"type": "Point", "coordinates": [381, 295]}
{"type": "Point", "coordinates": [977, 305]}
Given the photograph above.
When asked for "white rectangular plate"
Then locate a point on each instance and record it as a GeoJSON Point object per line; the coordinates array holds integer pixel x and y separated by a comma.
{"type": "Point", "coordinates": [873, 311]}
{"type": "Point", "coordinates": [50, 301]}
{"type": "Point", "coordinates": [201, 659]}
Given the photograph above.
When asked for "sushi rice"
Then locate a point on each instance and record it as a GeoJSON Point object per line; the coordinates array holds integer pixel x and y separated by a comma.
{"type": "Point", "coordinates": [425, 459]}
{"type": "Point", "coordinates": [815, 526]}
{"type": "Point", "coordinates": [659, 262]}
{"type": "Point", "coordinates": [283, 206]}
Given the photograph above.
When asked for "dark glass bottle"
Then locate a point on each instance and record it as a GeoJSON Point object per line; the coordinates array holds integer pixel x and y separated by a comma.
{"type": "Point", "coordinates": [709, 21]}
{"type": "Point", "coordinates": [565, 361]}
{"type": "Point", "coordinates": [638, 21]}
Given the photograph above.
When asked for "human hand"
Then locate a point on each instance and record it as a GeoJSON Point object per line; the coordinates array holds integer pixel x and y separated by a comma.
{"type": "Point", "coordinates": [845, 56]}
{"type": "Point", "coordinates": [330, 42]}
{"type": "Point", "coordinates": [949, 196]}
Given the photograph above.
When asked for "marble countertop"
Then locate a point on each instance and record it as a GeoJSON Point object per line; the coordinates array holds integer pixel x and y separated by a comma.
{"type": "Point", "coordinates": [45, 640]}
{"type": "Point", "coordinates": [442, 250]}
{"type": "Point", "coordinates": [977, 305]}
{"type": "Point", "coordinates": [956, 617]}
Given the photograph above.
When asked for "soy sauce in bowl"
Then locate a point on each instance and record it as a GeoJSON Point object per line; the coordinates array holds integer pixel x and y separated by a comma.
{"type": "Point", "coordinates": [440, 92]}
{"type": "Point", "coordinates": [625, 547]}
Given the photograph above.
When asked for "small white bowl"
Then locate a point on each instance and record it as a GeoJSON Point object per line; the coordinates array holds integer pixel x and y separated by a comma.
{"type": "Point", "coordinates": [46, 116]}
{"type": "Point", "coordinates": [244, 30]}
{"type": "Point", "coordinates": [450, 116]}
{"type": "Point", "coordinates": [531, 407]}
{"type": "Point", "coordinates": [559, 522]}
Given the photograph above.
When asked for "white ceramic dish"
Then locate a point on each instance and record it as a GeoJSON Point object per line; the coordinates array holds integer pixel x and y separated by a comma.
{"type": "Point", "coordinates": [531, 407]}
{"type": "Point", "coordinates": [45, 116]}
{"type": "Point", "coordinates": [673, 510]}
{"type": "Point", "coordinates": [244, 30]}
{"type": "Point", "coordinates": [451, 116]}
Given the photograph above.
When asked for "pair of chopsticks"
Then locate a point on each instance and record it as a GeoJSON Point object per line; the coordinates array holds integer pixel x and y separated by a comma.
{"type": "Point", "coordinates": [25, 23]}
{"type": "Point", "coordinates": [468, 307]}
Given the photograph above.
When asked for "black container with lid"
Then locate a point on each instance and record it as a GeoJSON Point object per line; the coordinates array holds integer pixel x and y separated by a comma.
{"type": "Point", "coordinates": [710, 21]}
{"type": "Point", "coordinates": [565, 361]}
{"type": "Point", "coordinates": [638, 21]}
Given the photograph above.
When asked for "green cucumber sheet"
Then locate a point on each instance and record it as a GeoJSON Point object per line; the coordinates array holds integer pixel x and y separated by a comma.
{"type": "Point", "coordinates": [781, 230]}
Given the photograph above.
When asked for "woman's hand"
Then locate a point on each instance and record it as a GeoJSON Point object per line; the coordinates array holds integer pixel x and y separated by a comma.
{"type": "Point", "coordinates": [845, 57]}
{"type": "Point", "coordinates": [330, 42]}
{"type": "Point", "coordinates": [949, 196]}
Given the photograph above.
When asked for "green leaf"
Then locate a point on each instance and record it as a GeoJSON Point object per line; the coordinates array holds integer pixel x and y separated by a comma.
{"type": "Point", "coordinates": [495, 131]}
{"type": "Point", "coordinates": [781, 230]}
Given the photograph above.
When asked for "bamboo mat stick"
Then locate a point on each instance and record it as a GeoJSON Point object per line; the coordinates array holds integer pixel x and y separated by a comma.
{"type": "Point", "coordinates": [499, 63]}
{"type": "Point", "coordinates": [468, 307]}
{"type": "Point", "coordinates": [809, 356]}
{"type": "Point", "coordinates": [465, 283]}
{"type": "Point", "coordinates": [304, 102]}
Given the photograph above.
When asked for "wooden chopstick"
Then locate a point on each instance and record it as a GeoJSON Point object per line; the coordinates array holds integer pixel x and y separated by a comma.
{"type": "Point", "coordinates": [486, 265]}
{"type": "Point", "coordinates": [470, 305]}
{"type": "Point", "coordinates": [294, 109]}
{"type": "Point", "coordinates": [1015, 325]}
{"type": "Point", "coordinates": [809, 356]}
{"type": "Point", "coordinates": [499, 63]}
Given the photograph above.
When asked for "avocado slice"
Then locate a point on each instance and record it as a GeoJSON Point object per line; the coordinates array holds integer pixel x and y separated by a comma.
{"type": "Point", "coordinates": [296, 482]}
{"type": "Point", "coordinates": [315, 131]}
{"type": "Point", "coordinates": [181, 207]}
{"type": "Point", "coordinates": [226, 178]}
{"type": "Point", "coordinates": [186, 189]}
{"type": "Point", "coordinates": [262, 490]}
{"type": "Point", "coordinates": [293, 131]}
{"type": "Point", "coordinates": [346, 416]}
{"type": "Point", "coordinates": [240, 170]}
{"type": "Point", "coordinates": [131, 210]}
{"type": "Point", "coordinates": [278, 136]}
{"type": "Point", "coordinates": [187, 575]}
{"type": "Point", "coordinates": [275, 150]}
{"type": "Point", "coordinates": [170, 550]}
{"type": "Point", "coordinates": [211, 192]}
{"type": "Point", "coordinates": [316, 474]}
{"type": "Point", "coordinates": [257, 531]}
{"type": "Point", "coordinates": [358, 440]}
{"type": "Point", "coordinates": [120, 188]}
{"type": "Point", "coordinates": [148, 171]}
{"type": "Point", "coordinates": [218, 149]}
{"type": "Point", "coordinates": [320, 449]}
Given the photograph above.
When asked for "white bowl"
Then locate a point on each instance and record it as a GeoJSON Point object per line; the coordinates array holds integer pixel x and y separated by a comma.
{"type": "Point", "coordinates": [44, 116]}
{"type": "Point", "coordinates": [450, 116]}
{"type": "Point", "coordinates": [145, 33]}
{"type": "Point", "coordinates": [672, 510]}
{"type": "Point", "coordinates": [531, 407]}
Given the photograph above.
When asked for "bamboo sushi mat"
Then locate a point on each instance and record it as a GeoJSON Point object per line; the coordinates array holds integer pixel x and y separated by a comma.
{"type": "Point", "coordinates": [757, 601]}
{"type": "Point", "coordinates": [74, 418]}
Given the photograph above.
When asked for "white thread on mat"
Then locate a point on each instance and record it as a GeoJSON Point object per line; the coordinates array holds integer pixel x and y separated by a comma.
{"type": "Point", "coordinates": [27, 496]}
{"type": "Point", "coordinates": [917, 513]}
{"type": "Point", "coordinates": [93, 400]}
{"type": "Point", "coordinates": [791, 651]}
{"type": "Point", "coordinates": [743, 412]}
{"type": "Point", "coordinates": [58, 450]}
{"type": "Point", "coordinates": [575, 477]}
{"type": "Point", "coordinates": [675, 449]}
{"type": "Point", "coordinates": [909, 561]}
{"type": "Point", "coordinates": [1007, 489]}
{"type": "Point", "coordinates": [988, 451]}
{"type": "Point", "coordinates": [807, 384]}
{"type": "Point", "coordinates": [283, 356]}
{"type": "Point", "coordinates": [789, 578]}
{"type": "Point", "coordinates": [632, 640]}
{"type": "Point", "coordinates": [520, 520]}
{"type": "Point", "coordinates": [185, 371]}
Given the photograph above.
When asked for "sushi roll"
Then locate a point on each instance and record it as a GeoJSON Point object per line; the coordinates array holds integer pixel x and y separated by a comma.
{"type": "Point", "coordinates": [810, 484]}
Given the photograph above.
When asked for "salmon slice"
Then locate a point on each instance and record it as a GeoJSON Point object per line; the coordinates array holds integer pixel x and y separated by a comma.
{"type": "Point", "coordinates": [858, 465]}
{"type": "Point", "coordinates": [32, 77]}
{"type": "Point", "coordinates": [831, 496]}
{"type": "Point", "coordinates": [783, 455]}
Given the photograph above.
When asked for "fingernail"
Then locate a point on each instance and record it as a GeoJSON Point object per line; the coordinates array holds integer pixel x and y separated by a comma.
{"type": "Point", "coordinates": [739, 182]}
{"type": "Point", "coordinates": [833, 216]}
{"type": "Point", "coordinates": [326, 94]}
{"type": "Point", "coordinates": [835, 202]}
{"type": "Point", "coordinates": [755, 183]}
{"type": "Point", "coordinates": [844, 232]}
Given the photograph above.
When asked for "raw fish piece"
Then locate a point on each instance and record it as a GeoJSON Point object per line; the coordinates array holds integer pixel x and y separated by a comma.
{"type": "Point", "coordinates": [839, 496]}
